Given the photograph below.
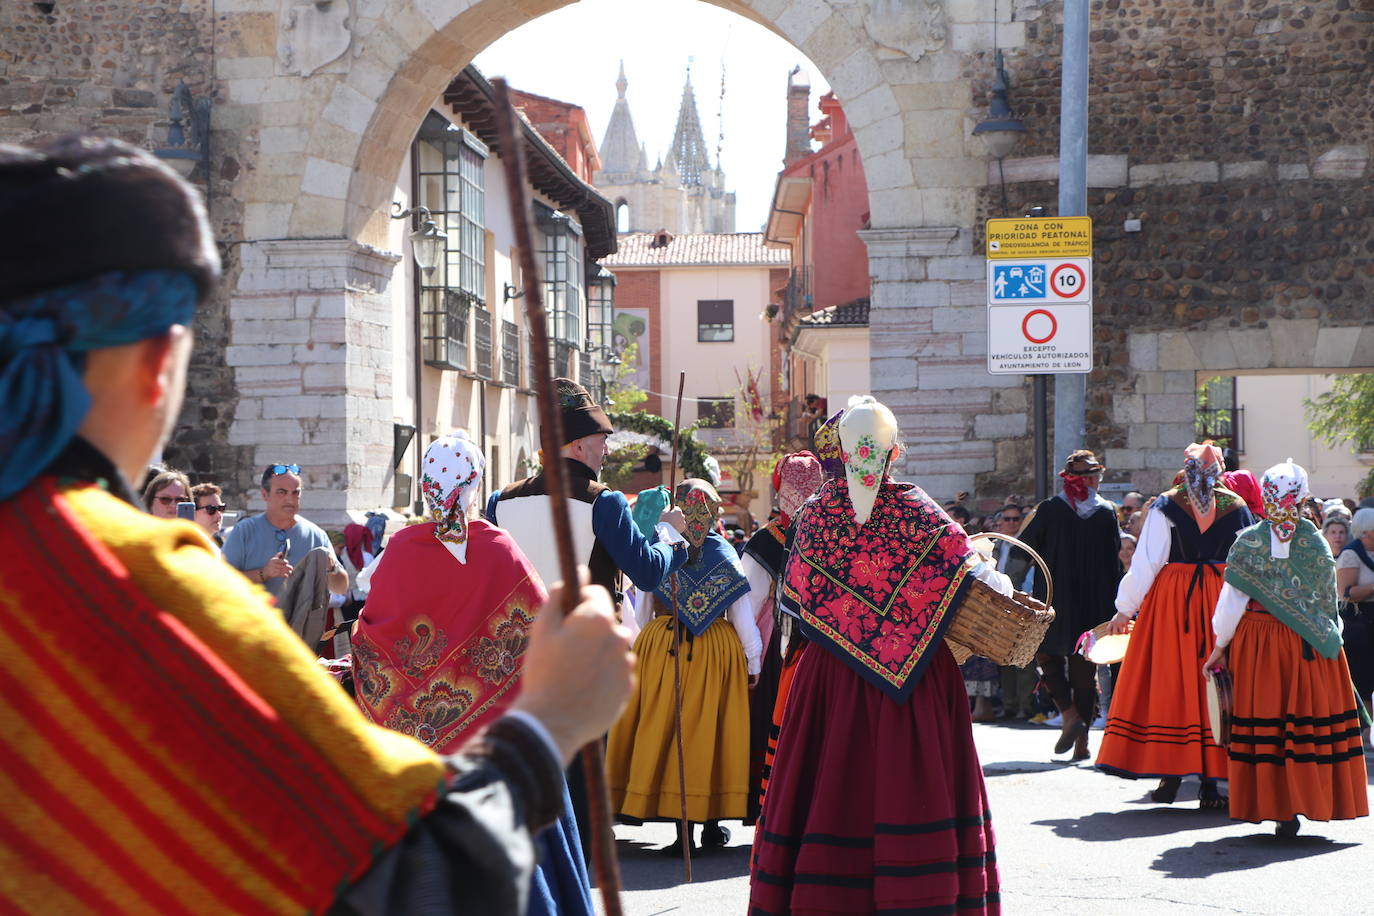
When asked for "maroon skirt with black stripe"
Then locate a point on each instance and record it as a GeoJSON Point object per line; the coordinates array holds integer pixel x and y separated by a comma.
{"type": "Point", "coordinates": [874, 806]}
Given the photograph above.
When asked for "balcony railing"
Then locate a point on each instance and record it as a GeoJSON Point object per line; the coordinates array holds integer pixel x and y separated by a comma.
{"type": "Point", "coordinates": [797, 301]}
{"type": "Point", "coordinates": [510, 353]}
{"type": "Point", "coordinates": [481, 336]}
{"type": "Point", "coordinates": [444, 323]}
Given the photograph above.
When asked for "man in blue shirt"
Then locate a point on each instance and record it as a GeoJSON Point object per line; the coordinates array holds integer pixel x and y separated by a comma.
{"type": "Point", "coordinates": [267, 547]}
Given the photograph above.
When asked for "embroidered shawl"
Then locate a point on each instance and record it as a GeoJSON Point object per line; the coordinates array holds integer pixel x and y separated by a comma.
{"type": "Point", "coordinates": [1300, 590]}
{"type": "Point", "coordinates": [768, 545]}
{"type": "Point", "coordinates": [199, 758]}
{"type": "Point", "coordinates": [879, 596]}
{"type": "Point", "coordinates": [707, 587]}
{"type": "Point", "coordinates": [439, 645]}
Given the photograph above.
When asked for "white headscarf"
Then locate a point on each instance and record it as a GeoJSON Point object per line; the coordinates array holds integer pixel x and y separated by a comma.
{"type": "Point", "coordinates": [1283, 488]}
{"type": "Point", "coordinates": [867, 433]}
{"type": "Point", "coordinates": [450, 477]}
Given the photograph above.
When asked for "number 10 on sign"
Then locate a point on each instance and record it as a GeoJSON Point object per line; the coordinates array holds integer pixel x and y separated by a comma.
{"type": "Point", "coordinates": [1051, 281]}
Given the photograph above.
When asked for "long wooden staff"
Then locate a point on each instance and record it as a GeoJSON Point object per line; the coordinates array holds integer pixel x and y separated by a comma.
{"type": "Point", "coordinates": [686, 826]}
{"type": "Point", "coordinates": [604, 863]}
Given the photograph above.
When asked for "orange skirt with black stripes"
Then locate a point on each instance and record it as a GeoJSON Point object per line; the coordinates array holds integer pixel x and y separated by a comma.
{"type": "Point", "coordinates": [1295, 734]}
{"type": "Point", "coordinates": [1157, 725]}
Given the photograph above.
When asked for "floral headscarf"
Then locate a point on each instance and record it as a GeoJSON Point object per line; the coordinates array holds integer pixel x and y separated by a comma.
{"type": "Point", "coordinates": [868, 432]}
{"type": "Point", "coordinates": [649, 505]}
{"type": "Point", "coordinates": [828, 450]}
{"type": "Point", "coordinates": [451, 474]}
{"type": "Point", "coordinates": [1202, 470]}
{"type": "Point", "coordinates": [700, 505]}
{"type": "Point", "coordinates": [795, 478]}
{"type": "Point", "coordinates": [1283, 487]}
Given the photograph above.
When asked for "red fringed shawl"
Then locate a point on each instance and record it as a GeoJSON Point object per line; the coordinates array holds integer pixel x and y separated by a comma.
{"type": "Point", "coordinates": [880, 596]}
{"type": "Point", "coordinates": [439, 645]}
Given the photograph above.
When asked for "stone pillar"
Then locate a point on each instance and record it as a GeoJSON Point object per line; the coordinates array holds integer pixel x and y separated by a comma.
{"type": "Point", "coordinates": [310, 348]}
{"type": "Point", "coordinates": [928, 346]}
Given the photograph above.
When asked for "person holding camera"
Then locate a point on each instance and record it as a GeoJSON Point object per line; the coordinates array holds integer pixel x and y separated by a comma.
{"type": "Point", "coordinates": [268, 547]}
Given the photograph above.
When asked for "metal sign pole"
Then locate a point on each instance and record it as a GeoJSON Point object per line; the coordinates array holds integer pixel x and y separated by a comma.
{"type": "Point", "coordinates": [1070, 390]}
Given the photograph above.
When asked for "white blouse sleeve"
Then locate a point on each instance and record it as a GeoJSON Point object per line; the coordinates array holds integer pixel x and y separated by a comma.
{"type": "Point", "coordinates": [644, 608]}
{"type": "Point", "coordinates": [628, 612]}
{"type": "Point", "coordinates": [363, 583]}
{"type": "Point", "coordinates": [1230, 608]}
{"type": "Point", "coordinates": [1151, 555]}
{"type": "Point", "coordinates": [760, 584]}
{"type": "Point", "coordinates": [741, 617]}
{"type": "Point", "coordinates": [987, 573]}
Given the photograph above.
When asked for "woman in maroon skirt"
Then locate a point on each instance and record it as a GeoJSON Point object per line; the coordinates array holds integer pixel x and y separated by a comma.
{"type": "Point", "coordinates": [876, 801]}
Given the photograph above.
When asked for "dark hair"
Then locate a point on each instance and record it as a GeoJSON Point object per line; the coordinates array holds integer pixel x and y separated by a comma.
{"type": "Point", "coordinates": [958, 513]}
{"type": "Point", "coordinates": [205, 489]}
{"type": "Point", "coordinates": [1003, 510]}
{"type": "Point", "coordinates": [267, 474]}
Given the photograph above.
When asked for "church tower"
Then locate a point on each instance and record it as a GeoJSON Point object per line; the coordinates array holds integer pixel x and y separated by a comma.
{"type": "Point", "coordinates": [684, 193]}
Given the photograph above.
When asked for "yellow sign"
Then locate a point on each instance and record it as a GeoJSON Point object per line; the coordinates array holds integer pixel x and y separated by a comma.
{"type": "Point", "coordinates": [1040, 237]}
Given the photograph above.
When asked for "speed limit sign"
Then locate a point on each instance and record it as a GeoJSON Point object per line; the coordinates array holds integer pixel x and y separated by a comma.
{"type": "Point", "coordinates": [1068, 281]}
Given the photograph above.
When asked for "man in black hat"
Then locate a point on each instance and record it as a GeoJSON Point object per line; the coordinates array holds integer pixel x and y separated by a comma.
{"type": "Point", "coordinates": [605, 536]}
{"type": "Point", "coordinates": [1076, 533]}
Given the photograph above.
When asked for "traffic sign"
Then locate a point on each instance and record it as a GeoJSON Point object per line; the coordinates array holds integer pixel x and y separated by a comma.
{"type": "Point", "coordinates": [1040, 237]}
{"type": "Point", "coordinates": [1048, 337]}
{"type": "Point", "coordinates": [1027, 281]}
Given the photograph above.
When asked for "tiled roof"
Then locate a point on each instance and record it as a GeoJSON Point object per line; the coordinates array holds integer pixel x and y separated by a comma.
{"type": "Point", "coordinates": [732, 249]}
{"type": "Point", "coordinates": [850, 315]}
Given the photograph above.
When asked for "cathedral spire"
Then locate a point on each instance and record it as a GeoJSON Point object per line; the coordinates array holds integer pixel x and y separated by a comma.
{"type": "Point", "coordinates": [620, 148]}
{"type": "Point", "coordinates": [689, 151]}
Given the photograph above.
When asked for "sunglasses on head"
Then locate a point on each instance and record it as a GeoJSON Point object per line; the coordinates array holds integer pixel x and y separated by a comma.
{"type": "Point", "coordinates": [285, 469]}
{"type": "Point", "coordinates": [212, 508]}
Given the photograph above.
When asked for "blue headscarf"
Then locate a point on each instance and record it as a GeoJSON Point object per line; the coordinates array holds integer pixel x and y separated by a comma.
{"type": "Point", "coordinates": [43, 342]}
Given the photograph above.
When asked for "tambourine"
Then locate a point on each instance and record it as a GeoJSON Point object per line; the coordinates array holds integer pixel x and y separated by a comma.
{"type": "Point", "coordinates": [1219, 705]}
{"type": "Point", "coordinates": [1101, 648]}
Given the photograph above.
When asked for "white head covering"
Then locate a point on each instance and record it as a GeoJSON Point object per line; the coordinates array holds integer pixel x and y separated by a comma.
{"type": "Point", "coordinates": [450, 478]}
{"type": "Point", "coordinates": [1283, 488]}
{"type": "Point", "coordinates": [867, 434]}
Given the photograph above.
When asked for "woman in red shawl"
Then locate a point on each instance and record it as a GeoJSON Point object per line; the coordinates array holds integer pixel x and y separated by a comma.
{"type": "Point", "coordinates": [876, 802]}
{"type": "Point", "coordinates": [438, 648]}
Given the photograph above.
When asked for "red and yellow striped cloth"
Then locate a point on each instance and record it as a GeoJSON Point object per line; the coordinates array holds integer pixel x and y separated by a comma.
{"type": "Point", "coordinates": [169, 745]}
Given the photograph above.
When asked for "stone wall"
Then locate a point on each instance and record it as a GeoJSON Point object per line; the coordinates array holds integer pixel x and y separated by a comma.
{"type": "Point", "coordinates": [110, 67]}
{"type": "Point", "coordinates": [1239, 139]}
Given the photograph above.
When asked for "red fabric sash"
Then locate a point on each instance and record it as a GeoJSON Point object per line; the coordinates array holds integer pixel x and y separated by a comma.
{"type": "Point", "coordinates": [439, 645]}
{"type": "Point", "coordinates": [166, 783]}
{"type": "Point", "coordinates": [880, 596]}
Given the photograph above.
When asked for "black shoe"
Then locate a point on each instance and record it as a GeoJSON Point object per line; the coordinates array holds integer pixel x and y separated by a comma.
{"type": "Point", "coordinates": [1166, 791]}
{"type": "Point", "coordinates": [714, 836]}
{"type": "Point", "coordinates": [1287, 829]}
{"type": "Point", "coordinates": [1209, 799]}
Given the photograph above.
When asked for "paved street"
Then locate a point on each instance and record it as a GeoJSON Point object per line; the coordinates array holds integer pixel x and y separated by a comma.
{"type": "Point", "coordinates": [1070, 841]}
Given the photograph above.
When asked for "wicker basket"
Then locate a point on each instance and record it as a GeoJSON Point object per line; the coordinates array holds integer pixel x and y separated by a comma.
{"type": "Point", "coordinates": [1006, 630]}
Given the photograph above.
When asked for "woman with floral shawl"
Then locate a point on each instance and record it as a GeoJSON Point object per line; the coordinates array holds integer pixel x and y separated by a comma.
{"type": "Point", "coordinates": [719, 655]}
{"type": "Point", "coordinates": [876, 801]}
{"type": "Point", "coordinates": [1295, 732]}
{"type": "Point", "coordinates": [1158, 721]}
{"type": "Point", "coordinates": [437, 651]}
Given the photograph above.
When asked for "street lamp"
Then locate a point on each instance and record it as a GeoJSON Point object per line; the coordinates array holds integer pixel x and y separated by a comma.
{"type": "Point", "coordinates": [427, 243]}
{"type": "Point", "coordinates": [1000, 132]}
{"type": "Point", "coordinates": [609, 366]}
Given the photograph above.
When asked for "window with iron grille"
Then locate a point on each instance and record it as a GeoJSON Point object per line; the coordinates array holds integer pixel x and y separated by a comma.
{"type": "Point", "coordinates": [451, 182]}
{"type": "Point", "coordinates": [562, 255]}
{"type": "Point", "coordinates": [510, 353]}
{"type": "Point", "coordinates": [1218, 416]}
{"type": "Point", "coordinates": [444, 327]}
{"type": "Point", "coordinates": [481, 342]}
{"type": "Point", "coordinates": [716, 413]}
{"type": "Point", "coordinates": [715, 320]}
{"type": "Point", "coordinates": [563, 358]}
{"type": "Point", "coordinates": [584, 373]}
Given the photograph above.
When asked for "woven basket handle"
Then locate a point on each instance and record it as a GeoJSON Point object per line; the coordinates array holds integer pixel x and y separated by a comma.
{"type": "Point", "coordinates": [1039, 561]}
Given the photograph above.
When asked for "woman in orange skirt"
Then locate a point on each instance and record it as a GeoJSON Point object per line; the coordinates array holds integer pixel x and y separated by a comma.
{"type": "Point", "coordinates": [1295, 733]}
{"type": "Point", "coordinates": [1157, 725]}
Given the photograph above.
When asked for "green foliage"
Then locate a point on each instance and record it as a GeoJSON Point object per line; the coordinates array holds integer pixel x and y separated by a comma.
{"type": "Point", "coordinates": [1346, 414]}
{"type": "Point", "coordinates": [691, 453]}
{"type": "Point", "coordinates": [621, 396]}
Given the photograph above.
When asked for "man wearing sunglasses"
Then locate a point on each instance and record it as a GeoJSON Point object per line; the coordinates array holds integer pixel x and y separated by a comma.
{"type": "Point", "coordinates": [268, 547]}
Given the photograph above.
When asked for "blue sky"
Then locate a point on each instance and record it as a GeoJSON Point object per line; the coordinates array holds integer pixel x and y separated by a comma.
{"type": "Point", "coordinates": [574, 54]}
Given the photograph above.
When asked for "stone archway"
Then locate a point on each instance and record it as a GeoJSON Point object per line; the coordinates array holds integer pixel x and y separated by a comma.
{"type": "Point", "coordinates": [1158, 414]}
{"type": "Point", "coordinates": [316, 190]}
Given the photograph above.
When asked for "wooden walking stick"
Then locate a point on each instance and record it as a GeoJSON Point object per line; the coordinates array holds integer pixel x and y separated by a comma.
{"type": "Point", "coordinates": [685, 826]}
{"type": "Point", "coordinates": [593, 755]}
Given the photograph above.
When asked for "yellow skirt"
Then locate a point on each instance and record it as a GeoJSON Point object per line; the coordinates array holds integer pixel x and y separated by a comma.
{"type": "Point", "coordinates": [641, 756]}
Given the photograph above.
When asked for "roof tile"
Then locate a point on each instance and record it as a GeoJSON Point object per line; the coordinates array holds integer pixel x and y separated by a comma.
{"type": "Point", "coordinates": [731, 249]}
